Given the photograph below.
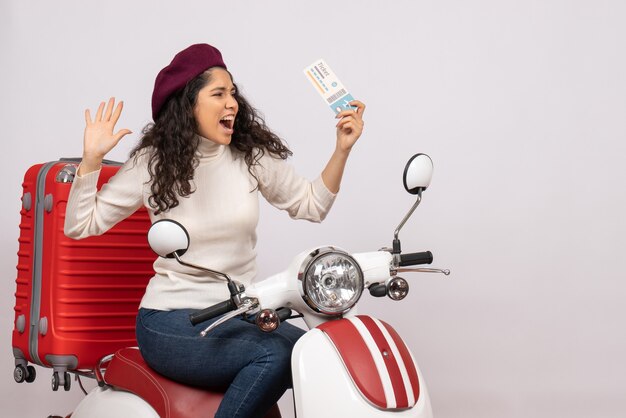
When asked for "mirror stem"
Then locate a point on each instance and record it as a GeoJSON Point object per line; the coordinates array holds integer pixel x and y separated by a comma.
{"type": "Point", "coordinates": [408, 215]}
{"type": "Point", "coordinates": [217, 273]}
{"type": "Point", "coordinates": [397, 248]}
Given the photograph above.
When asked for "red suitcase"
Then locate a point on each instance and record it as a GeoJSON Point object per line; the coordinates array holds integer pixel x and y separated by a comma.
{"type": "Point", "coordinates": [76, 301]}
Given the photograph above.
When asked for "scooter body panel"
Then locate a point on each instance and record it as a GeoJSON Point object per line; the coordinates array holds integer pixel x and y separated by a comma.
{"type": "Point", "coordinates": [108, 402]}
{"type": "Point", "coordinates": [323, 386]}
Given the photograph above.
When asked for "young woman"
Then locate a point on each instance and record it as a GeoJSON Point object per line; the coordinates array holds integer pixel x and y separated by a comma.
{"type": "Point", "coordinates": [202, 163]}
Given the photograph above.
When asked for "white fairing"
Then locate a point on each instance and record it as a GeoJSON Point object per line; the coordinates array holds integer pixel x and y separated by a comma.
{"type": "Point", "coordinates": [419, 172]}
{"type": "Point", "coordinates": [166, 237]}
{"type": "Point", "coordinates": [323, 388]}
{"type": "Point", "coordinates": [375, 266]}
{"type": "Point", "coordinates": [108, 402]}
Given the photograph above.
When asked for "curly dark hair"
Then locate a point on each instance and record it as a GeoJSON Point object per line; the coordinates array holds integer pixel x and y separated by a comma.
{"type": "Point", "coordinates": [173, 141]}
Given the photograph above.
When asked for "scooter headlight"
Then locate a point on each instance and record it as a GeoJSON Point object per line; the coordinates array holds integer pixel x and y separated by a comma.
{"type": "Point", "coordinates": [331, 281]}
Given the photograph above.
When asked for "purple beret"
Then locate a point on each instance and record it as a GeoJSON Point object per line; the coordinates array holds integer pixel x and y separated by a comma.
{"type": "Point", "coordinates": [186, 65]}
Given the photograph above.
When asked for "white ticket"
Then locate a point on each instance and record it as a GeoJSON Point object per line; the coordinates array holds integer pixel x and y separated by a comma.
{"type": "Point", "coordinates": [329, 87]}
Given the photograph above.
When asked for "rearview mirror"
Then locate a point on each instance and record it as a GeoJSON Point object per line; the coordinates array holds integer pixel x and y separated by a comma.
{"type": "Point", "coordinates": [168, 238]}
{"type": "Point", "coordinates": [418, 173]}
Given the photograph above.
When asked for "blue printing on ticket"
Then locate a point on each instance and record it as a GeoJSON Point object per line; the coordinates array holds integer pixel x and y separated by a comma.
{"type": "Point", "coordinates": [343, 104]}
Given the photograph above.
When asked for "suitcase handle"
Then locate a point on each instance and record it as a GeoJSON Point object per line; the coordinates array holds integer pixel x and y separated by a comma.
{"type": "Point", "coordinates": [78, 160]}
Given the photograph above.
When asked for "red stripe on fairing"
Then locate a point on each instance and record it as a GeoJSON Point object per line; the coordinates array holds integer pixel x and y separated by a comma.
{"type": "Point", "coordinates": [407, 359]}
{"type": "Point", "coordinates": [391, 363]}
{"type": "Point", "coordinates": [357, 359]}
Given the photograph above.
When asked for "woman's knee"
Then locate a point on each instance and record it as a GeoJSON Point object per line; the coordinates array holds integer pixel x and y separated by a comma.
{"type": "Point", "coordinates": [277, 359]}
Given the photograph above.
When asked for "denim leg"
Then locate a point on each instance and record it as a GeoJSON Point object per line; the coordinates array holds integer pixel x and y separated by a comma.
{"type": "Point", "coordinates": [254, 367]}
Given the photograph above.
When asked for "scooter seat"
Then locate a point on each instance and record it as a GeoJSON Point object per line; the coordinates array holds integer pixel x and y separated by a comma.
{"type": "Point", "coordinates": [170, 399]}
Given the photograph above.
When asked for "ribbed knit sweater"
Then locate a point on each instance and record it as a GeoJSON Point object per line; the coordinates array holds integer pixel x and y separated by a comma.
{"type": "Point", "coordinates": [221, 216]}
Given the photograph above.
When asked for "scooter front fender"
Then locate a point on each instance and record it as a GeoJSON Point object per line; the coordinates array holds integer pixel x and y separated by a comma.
{"type": "Point", "coordinates": [108, 402]}
{"type": "Point", "coordinates": [323, 386]}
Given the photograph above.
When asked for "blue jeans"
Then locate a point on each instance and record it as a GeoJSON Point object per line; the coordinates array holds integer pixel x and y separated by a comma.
{"type": "Point", "coordinates": [253, 367]}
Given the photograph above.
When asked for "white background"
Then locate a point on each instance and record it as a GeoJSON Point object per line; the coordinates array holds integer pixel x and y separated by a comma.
{"type": "Point", "coordinates": [520, 104]}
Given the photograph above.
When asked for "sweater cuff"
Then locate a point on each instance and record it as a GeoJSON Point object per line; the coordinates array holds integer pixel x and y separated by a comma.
{"type": "Point", "coordinates": [87, 181]}
{"type": "Point", "coordinates": [325, 196]}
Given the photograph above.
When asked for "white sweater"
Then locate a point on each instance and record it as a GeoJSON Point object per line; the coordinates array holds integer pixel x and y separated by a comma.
{"type": "Point", "coordinates": [221, 217]}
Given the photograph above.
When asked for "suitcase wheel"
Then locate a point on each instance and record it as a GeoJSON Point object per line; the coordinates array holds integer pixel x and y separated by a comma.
{"type": "Point", "coordinates": [27, 374]}
{"type": "Point", "coordinates": [68, 382]}
{"type": "Point", "coordinates": [19, 373]}
{"type": "Point", "coordinates": [56, 381]}
{"type": "Point", "coordinates": [30, 376]}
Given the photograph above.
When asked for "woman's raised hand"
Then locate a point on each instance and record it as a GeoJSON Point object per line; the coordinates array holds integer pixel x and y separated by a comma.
{"type": "Point", "coordinates": [99, 138]}
{"type": "Point", "coordinates": [350, 127]}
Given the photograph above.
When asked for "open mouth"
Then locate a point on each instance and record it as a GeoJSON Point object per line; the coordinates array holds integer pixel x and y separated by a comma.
{"type": "Point", "coordinates": [227, 122]}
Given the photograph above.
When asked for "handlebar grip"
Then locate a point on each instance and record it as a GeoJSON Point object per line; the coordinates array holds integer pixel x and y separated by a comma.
{"type": "Point", "coordinates": [413, 259]}
{"type": "Point", "coordinates": [378, 290]}
{"type": "Point", "coordinates": [212, 311]}
{"type": "Point", "coordinates": [283, 314]}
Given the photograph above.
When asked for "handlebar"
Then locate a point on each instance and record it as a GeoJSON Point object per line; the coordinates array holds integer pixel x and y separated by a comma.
{"type": "Point", "coordinates": [212, 311]}
{"type": "Point", "coordinates": [283, 314]}
{"type": "Point", "coordinates": [413, 259]}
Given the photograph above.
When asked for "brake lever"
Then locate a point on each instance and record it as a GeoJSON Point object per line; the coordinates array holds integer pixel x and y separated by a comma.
{"type": "Point", "coordinates": [422, 270]}
{"type": "Point", "coordinates": [247, 305]}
